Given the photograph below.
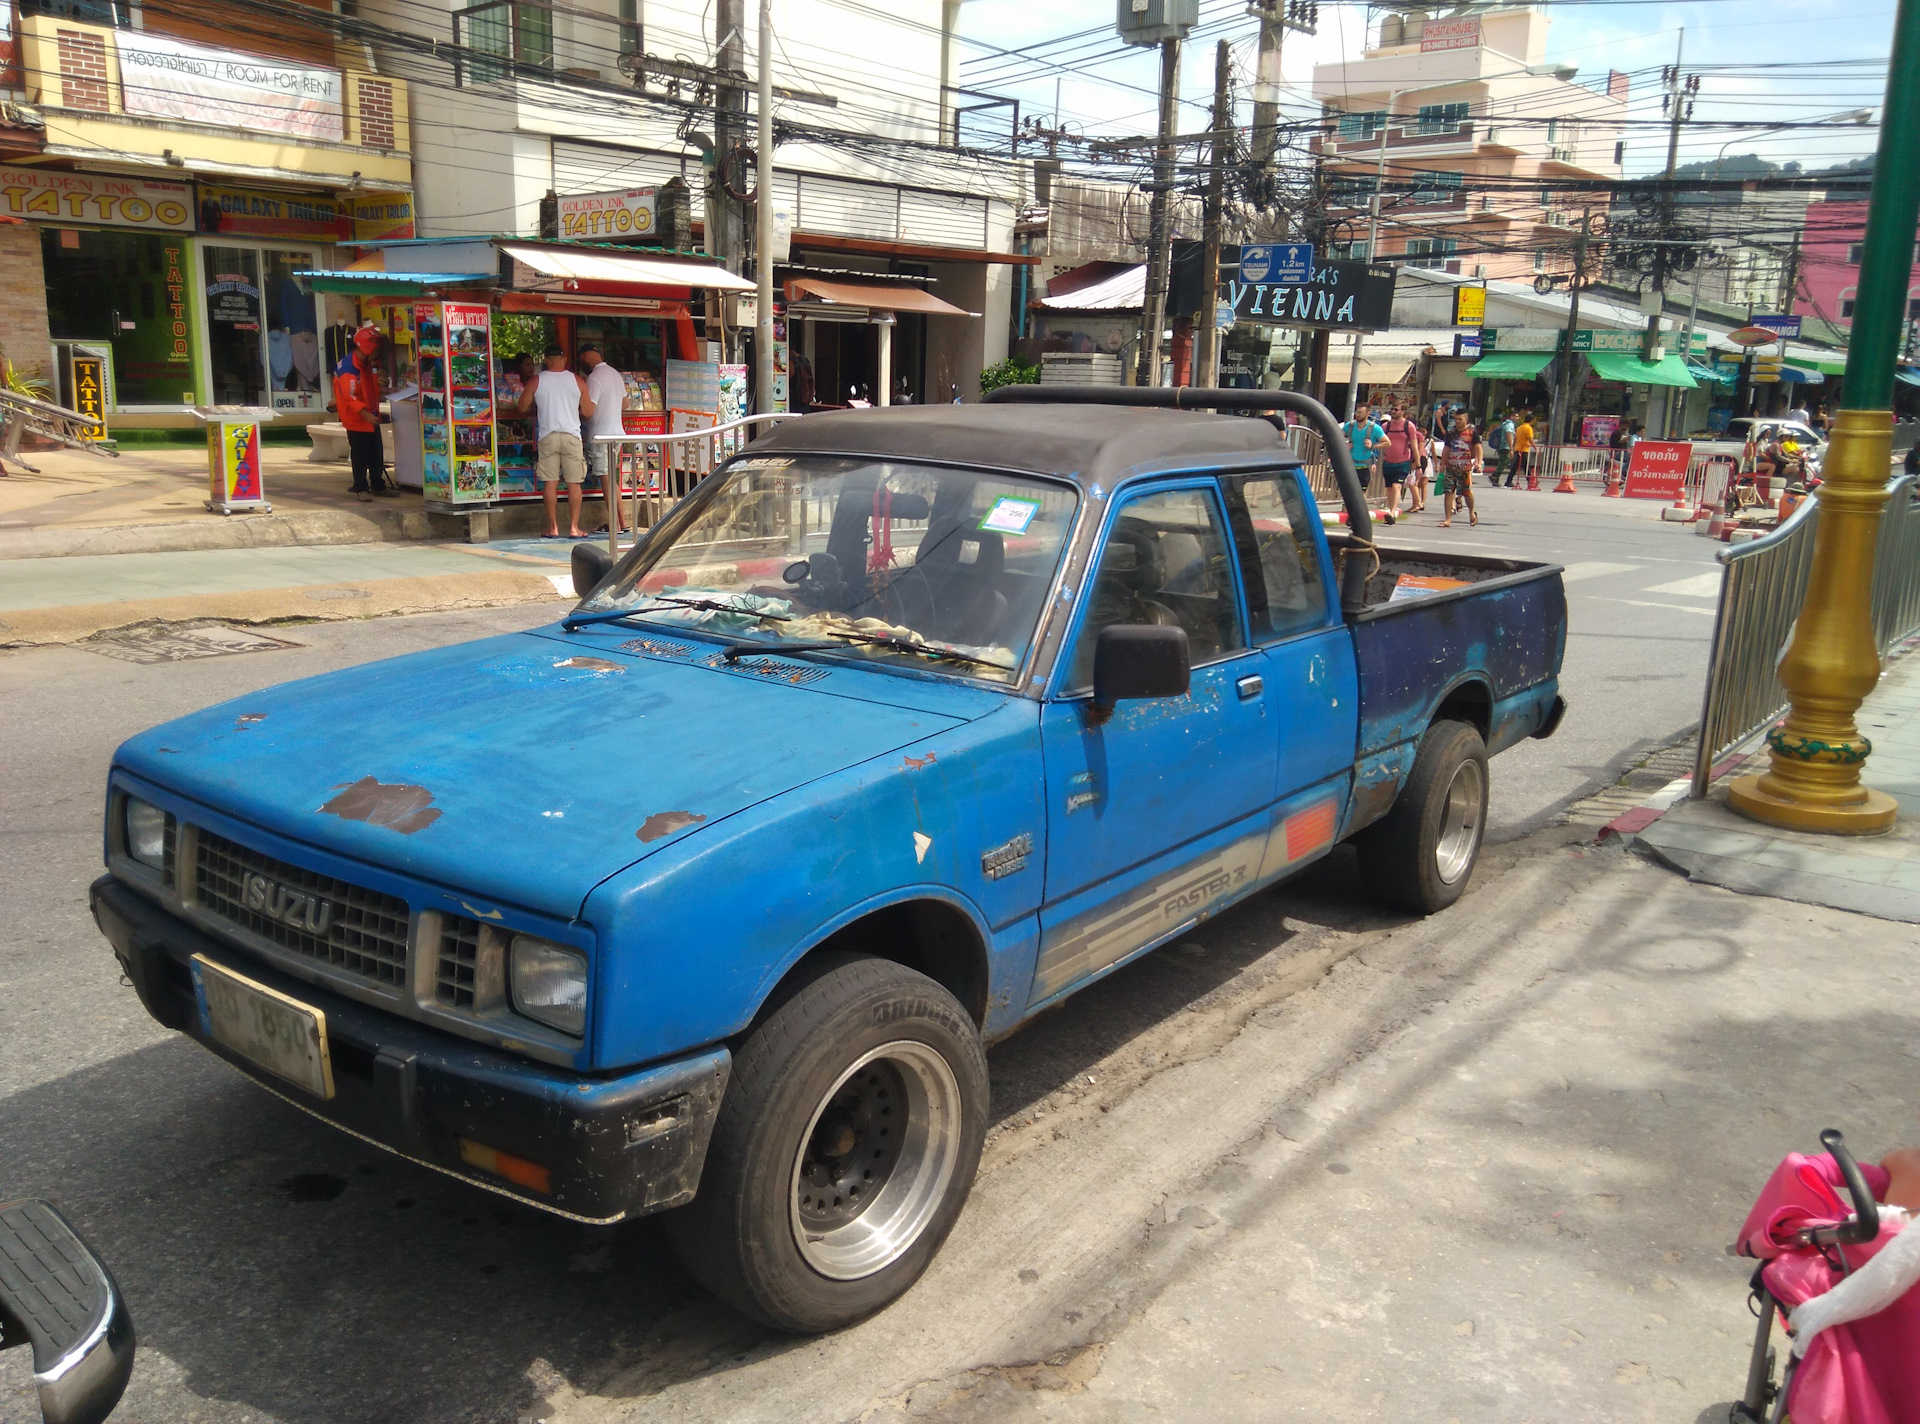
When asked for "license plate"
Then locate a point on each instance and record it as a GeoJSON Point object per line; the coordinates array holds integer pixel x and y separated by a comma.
{"type": "Point", "coordinates": [264, 1026]}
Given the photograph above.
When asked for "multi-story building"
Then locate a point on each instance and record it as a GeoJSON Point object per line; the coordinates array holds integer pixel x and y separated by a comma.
{"type": "Point", "coordinates": [1476, 146]}
{"type": "Point", "coordinates": [1753, 232]}
{"type": "Point", "coordinates": [165, 168]}
{"type": "Point", "coordinates": [539, 104]}
{"type": "Point", "coordinates": [1830, 264]}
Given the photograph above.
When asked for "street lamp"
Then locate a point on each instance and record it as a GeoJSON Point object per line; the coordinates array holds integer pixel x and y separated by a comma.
{"type": "Point", "coordinates": [1833, 661]}
{"type": "Point", "coordinates": [1554, 71]}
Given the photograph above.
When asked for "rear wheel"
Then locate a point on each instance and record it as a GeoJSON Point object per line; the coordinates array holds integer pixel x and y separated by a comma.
{"type": "Point", "coordinates": [1420, 855]}
{"type": "Point", "coordinates": [844, 1150]}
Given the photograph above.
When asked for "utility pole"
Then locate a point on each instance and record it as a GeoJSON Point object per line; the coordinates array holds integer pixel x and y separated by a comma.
{"type": "Point", "coordinates": [726, 223]}
{"type": "Point", "coordinates": [1791, 282]}
{"type": "Point", "coordinates": [1266, 84]}
{"type": "Point", "coordinates": [1222, 136]}
{"type": "Point", "coordinates": [1679, 107]}
{"type": "Point", "coordinates": [763, 223]}
{"type": "Point", "coordinates": [1155, 313]}
{"type": "Point", "coordinates": [1563, 387]}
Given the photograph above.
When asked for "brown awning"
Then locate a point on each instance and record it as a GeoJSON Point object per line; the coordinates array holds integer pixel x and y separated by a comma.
{"type": "Point", "coordinates": [874, 296]}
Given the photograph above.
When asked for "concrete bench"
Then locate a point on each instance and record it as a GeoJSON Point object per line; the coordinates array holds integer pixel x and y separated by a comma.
{"type": "Point", "coordinates": [330, 443]}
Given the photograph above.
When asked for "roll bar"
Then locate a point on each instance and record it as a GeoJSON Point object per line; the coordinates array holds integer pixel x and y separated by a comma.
{"type": "Point", "coordinates": [1354, 571]}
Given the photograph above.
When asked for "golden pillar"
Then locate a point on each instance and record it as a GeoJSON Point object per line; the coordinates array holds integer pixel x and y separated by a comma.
{"type": "Point", "coordinates": [1833, 661]}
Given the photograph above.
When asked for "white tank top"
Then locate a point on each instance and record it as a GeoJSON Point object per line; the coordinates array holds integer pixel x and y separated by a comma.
{"type": "Point", "coordinates": [556, 403]}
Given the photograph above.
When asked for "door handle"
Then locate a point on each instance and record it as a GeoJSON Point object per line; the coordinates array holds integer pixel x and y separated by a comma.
{"type": "Point", "coordinates": [1250, 687]}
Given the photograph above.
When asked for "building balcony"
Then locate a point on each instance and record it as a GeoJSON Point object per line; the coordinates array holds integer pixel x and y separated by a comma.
{"type": "Point", "coordinates": [139, 98]}
{"type": "Point", "coordinates": [1408, 136]}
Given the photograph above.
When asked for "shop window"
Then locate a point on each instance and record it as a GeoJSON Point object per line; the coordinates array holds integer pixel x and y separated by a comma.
{"type": "Point", "coordinates": [1855, 251]}
{"type": "Point", "coordinates": [293, 334]}
{"type": "Point", "coordinates": [1846, 310]}
{"type": "Point", "coordinates": [85, 12]}
{"type": "Point", "coordinates": [234, 342]}
{"type": "Point", "coordinates": [128, 292]}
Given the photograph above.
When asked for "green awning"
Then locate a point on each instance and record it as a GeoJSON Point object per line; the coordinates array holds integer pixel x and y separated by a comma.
{"type": "Point", "coordinates": [1509, 365]}
{"type": "Point", "coordinates": [390, 284]}
{"type": "Point", "coordinates": [1715, 374]}
{"type": "Point", "coordinates": [1827, 367]}
{"type": "Point", "coordinates": [1669, 370]}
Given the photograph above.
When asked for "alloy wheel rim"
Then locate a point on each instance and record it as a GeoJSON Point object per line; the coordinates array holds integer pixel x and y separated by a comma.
{"type": "Point", "coordinates": [875, 1161]}
{"type": "Point", "coordinates": [1459, 834]}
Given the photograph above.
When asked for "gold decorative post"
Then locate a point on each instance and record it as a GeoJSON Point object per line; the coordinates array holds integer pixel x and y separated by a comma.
{"type": "Point", "coordinates": [1833, 661]}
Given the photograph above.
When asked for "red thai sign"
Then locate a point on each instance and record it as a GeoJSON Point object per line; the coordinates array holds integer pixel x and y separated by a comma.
{"type": "Point", "coordinates": [1657, 469]}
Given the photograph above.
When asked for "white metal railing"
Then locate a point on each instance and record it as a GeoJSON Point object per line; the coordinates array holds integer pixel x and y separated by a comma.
{"type": "Point", "coordinates": [1760, 596]}
{"type": "Point", "coordinates": [658, 471]}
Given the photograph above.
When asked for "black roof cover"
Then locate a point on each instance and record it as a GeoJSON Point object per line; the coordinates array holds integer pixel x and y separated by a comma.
{"type": "Point", "coordinates": [1088, 443]}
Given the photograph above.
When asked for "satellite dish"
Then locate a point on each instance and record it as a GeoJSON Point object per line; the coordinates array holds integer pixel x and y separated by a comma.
{"type": "Point", "coordinates": [1543, 285]}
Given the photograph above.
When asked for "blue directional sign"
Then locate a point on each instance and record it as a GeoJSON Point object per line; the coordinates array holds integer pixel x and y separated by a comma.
{"type": "Point", "coordinates": [1779, 325]}
{"type": "Point", "coordinates": [1276, 264]}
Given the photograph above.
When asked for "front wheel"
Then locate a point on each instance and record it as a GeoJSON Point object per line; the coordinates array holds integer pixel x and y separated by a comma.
{"type": "Point", "coordinates": [1420, 855]}
{"type": "Point", "coordinates": [844, 1151]}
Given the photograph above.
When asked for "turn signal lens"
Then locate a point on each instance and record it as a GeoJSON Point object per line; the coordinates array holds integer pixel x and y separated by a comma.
{"type": "Point", "coordinates": [550, 984]}
{"type": "Point", "coordinates": [517, 1170]}
{"type": "Point", "coordinates": [146, 833]}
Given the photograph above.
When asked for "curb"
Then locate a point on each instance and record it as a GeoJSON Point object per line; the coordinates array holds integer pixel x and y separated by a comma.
{"type": "Point", "coordinates": [269, 531]}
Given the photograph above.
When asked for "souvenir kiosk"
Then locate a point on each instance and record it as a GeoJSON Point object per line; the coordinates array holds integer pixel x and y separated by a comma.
{"type": "Point", "coordinates": [476, 450]}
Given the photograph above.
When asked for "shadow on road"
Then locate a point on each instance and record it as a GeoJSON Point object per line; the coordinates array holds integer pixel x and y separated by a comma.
{"type": "Point", "coordinates": [284, 1267]}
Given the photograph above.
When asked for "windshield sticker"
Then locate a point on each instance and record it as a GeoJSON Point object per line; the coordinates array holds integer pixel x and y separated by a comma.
{"type": "Point", "coordinates": [764, 462]}
{"type": "Point", "coordinates": [1010, 515]}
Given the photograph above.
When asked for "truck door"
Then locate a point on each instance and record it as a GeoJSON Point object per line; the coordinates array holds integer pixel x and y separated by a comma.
{"type": "Point", "coordinates": [1163, 808]}
{"type": "Point", "coordinates": [1312, 688]}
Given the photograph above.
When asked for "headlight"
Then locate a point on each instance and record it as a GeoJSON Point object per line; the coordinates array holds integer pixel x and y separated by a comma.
{"type": "Point", "coordinates": [550, 984]}
{"type": "Point", "coordinates": [146, 833]}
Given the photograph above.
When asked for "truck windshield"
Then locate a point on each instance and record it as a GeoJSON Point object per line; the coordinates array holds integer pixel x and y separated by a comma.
{"type": "Point", "coordinates": [889, 560]}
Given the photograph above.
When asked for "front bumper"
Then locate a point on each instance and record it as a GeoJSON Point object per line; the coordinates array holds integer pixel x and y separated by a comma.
{"type": "Point", "coordinates": [614, 1147]}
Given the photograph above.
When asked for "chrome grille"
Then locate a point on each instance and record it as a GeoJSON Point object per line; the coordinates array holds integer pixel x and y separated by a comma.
{"type": "Point", "coordinates": [459, 961]}
{"type": "Point", "coordinates": [364, 931]}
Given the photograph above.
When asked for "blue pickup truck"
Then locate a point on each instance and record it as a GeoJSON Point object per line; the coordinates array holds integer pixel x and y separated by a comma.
{"type": "Point", "coordinates": [903, 727]}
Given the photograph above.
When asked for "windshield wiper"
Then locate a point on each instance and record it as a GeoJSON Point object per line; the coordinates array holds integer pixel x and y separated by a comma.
{"type": "Point", "coordinates": [703, 605]}
{"type": "Point", "coordinates": [875, 640]}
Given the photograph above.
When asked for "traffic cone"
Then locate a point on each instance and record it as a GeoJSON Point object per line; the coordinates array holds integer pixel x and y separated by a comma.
{"type": "Point", "coordinates": [1612, 491]}
{"type": "Point", "coordinates": [1566, 482]}
{"type": "Point", "coordinates": [1533, 475]}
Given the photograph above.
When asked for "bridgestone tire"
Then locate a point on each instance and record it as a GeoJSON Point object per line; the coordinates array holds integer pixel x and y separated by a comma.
{"type": "Point", "coordinates": [1420, 855]}
{"type": "Point", "coordinates": [802, 1108]}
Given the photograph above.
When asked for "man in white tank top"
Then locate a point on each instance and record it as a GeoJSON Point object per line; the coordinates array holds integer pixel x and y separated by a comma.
{"type": "Point", "coordinates": [558, 398]}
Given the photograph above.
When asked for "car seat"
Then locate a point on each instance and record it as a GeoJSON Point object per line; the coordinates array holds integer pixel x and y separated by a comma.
{"type": "Point", "coordinates": [962, 568]}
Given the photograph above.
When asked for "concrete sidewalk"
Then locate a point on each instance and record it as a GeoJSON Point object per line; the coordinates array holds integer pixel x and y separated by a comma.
{"type": "Point", "coordinates": [1873, 875]}
{"type": "Point", "coordinates": [152, 499]}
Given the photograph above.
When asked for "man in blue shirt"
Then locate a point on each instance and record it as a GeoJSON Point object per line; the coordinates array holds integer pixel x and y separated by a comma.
{"type": "Point", "coordinates": [1364, 437]}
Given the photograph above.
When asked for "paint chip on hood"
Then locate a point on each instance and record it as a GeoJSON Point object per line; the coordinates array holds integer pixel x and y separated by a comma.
{"type": "Point", "coordinates": [398, 807]}
{"type": "Point", "coordinates": [662, 824]}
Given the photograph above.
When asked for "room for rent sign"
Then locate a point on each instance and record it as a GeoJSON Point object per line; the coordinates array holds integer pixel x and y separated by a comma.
{"type": "Point", "coordinates": [167, 78]}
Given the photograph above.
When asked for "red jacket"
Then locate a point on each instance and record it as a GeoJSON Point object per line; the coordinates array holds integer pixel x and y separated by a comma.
{"type": "Point", "coordinates": [356, 391]}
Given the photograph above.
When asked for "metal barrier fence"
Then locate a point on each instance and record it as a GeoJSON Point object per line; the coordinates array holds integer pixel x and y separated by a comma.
{"type": "Point", "coordinates": [1760, 596]}
{"type": "Point", "coordinates": [656, 472]}
{"type": "Point", "coordinates": [1905, 434]}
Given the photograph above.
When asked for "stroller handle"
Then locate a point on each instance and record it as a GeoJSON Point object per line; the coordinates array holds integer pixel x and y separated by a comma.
{"type": "Point", "coordinates": [1865, 1225]}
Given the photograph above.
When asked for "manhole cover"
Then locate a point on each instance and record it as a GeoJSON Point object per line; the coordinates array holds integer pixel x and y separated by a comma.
{"type": "Point", "coordinates": [177, 645]}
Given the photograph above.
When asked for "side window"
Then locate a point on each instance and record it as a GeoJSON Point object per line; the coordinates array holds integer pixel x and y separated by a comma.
{"type": "Point", "coordinates": [1273, 526]}
{"type": "Point", "coordinates": [1165, 561]}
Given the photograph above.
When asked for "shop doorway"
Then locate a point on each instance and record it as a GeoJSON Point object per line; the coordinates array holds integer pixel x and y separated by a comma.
{"type": "Point", "coordinates": [126, 291]}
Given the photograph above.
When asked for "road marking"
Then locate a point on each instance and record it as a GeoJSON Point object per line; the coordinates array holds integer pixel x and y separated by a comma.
{"type": "Point", "coordinates": [1699, 586]}
{"type": "Point", "coordinates": [1646, 603]}
{"type": "Point", "coordinates": [1573, 573]}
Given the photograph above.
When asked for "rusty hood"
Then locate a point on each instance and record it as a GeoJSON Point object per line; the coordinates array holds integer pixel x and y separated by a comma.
{"type": "Point", "coordinates": [527, 768]}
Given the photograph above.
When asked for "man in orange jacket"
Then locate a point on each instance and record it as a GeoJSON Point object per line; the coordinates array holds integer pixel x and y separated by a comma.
{"type": "Point", "coordinates": [356, 391]}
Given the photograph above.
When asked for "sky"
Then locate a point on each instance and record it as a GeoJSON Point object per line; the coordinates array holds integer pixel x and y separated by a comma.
{"type": "Point", "coordinates": [1758, 64]}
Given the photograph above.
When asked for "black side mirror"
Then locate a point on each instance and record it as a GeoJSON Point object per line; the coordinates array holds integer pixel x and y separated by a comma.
{"type": "Point", "coordinates": [1138, 660]}
{"type": "Point", "coordinates": [58, 1296]}
{"type": "Point", "coordinates": [591, 565]}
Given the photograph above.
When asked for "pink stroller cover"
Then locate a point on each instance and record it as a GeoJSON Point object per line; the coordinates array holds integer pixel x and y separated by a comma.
{"type": "Point", "coordinates": [1866, 1371]}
